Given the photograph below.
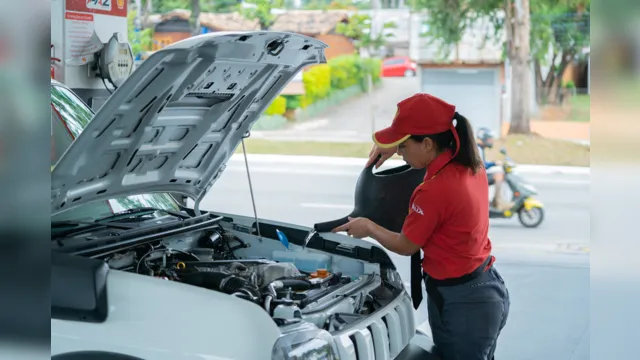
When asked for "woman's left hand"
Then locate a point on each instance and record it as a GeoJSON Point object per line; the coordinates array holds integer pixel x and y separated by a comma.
{"type": "Point", "coordinates": [356, 227]}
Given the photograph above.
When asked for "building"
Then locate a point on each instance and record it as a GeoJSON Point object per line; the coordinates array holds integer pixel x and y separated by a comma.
{"type": "Point", "coordinates": [319, 24]}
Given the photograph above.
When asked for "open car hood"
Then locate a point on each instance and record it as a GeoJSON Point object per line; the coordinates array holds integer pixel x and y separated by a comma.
{"type": "Point", "coordinates": [174, 123]}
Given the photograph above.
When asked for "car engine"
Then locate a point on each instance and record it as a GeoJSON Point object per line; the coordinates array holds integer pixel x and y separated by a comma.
{"type": "Point", "coordinates": [328, 300]}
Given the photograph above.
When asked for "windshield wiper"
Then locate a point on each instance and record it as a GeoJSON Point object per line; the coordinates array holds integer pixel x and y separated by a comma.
{"type": "Point", "coordinates": [132, 213]}
{"type": "Point", "coordinates": [77, 227]}
{"type": "Point", "coordinates": [75, 223]}
{"type": "Point", "coordinates": [109, 221]}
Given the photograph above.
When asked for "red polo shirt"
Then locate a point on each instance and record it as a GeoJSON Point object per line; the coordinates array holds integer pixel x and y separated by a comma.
{"type": "Point", "coordinates": [449, 219]}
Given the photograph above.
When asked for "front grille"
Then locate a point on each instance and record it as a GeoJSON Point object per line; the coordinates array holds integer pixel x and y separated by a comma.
{"type": "Point", "coordinates": [381, 336]}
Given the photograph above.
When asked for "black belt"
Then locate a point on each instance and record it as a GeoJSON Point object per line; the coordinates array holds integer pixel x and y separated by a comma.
{"type": "Point", "coordinates": [434, 284]}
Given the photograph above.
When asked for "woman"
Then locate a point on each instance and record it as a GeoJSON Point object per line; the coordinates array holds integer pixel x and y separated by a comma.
{"type": "Point", "coordinates": [448, 219]}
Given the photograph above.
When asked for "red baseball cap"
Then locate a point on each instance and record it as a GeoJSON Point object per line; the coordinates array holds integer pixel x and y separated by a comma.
{"type": "Point", "coordinates": [420, 114]}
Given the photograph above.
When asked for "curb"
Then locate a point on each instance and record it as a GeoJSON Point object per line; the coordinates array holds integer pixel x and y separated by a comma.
{"type": "Point", "coordinates": [349, 161]}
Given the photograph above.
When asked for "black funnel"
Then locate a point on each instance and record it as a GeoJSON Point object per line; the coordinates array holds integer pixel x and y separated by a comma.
{"type": "Point", "coordinates": [382, 197]}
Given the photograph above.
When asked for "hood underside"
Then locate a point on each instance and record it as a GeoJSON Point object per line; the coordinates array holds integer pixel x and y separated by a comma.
{"type": "Point", "coordinates": [174, 123]}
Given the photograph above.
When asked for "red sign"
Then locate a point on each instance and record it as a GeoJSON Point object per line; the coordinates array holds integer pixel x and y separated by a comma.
{"type": "Point", "coordinates": [78, 16]}
{"type": "Point", "coordinates": [103, 7]}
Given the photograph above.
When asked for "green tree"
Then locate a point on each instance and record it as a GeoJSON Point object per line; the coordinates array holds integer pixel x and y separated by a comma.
{"type": "Point", "coordinates": [336, 4]}
{"type": "Point", "coordinates": [213, 6]}
{"type": "Point", "coordinates": [261, 10]}
{"type": "Point", "coordinates": [359, 29]}
{"type": "Point", "coordinates": [559, 32]}
{"type": "Point", "coordinates": [163, 6]}
{"type": "Point", "coordinates": [534, 30]}
{"type": "Point", "coordinates": [140, 41]}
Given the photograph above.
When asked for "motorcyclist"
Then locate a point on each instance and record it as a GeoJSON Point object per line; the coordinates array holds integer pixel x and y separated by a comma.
{"type": "Point", "coordinates": [484, 139]}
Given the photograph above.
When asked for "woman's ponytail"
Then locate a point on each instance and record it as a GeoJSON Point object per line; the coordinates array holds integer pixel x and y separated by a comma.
{"type": "Point", "coordinates": [468, 154]}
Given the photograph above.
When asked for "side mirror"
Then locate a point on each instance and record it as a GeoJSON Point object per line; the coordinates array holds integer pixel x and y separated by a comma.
{"type": "Point", "coordinates": [503, 151]}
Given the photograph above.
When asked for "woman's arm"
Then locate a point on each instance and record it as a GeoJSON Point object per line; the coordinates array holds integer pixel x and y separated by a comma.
{"type": "Point", "coordinates": [392, 241]}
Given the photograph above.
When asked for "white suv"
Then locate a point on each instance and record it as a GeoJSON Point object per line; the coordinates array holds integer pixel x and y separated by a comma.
{"type": "Point", "coordinates": [135, 275]}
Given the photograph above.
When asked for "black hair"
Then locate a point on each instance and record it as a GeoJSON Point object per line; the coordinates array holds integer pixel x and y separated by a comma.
{"type": "Point", "coordinates": [468, 155]}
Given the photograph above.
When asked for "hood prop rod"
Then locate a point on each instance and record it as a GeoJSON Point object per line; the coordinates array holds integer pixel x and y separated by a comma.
{"type": "Point", "coordinates": [253, 200]}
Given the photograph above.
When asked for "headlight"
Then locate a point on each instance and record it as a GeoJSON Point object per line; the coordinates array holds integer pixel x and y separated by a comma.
{"type": "Point", "coordinates": [304, 341]}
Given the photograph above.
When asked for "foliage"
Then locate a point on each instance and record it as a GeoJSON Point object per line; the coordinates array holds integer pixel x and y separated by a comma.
{"type": "Point", "coordinates": [559, 31]}
{"type": "Point", "coordinates": [317, 83]}
{"type": "Point", "coordinates": [346, 71]}
{"type": "Point", "coordinates": [218, 6]}
{"type": "Point", "coordinates": [339, 73]}
{"type": "Point", "coordinates": [558, 23]}
{"type": "Point", "coordinates": [374, 67]}
{"type": "Point", "coordinates": [448, 20]}
{"type": "Point", "coordinates": [163, 6]}
{"type": "Point", "coordinates": [140, 41]}
{"type": "Point", "coordinates": [261, 10]}
{"type": "Point", "coordinates": [336, 5]}
{"type": "Point", "coordinates": [351, 70]}
{"type": "Point", "coordinates": [559, 28]}
{"type": "Point", "coordinates": [277, 107]}
{"type": "Point", "coordinates": [359, 29]}
{"type": "Point", "coordinates": [341, 5]}
{"type": "Point", "coordinates": [293, 101]}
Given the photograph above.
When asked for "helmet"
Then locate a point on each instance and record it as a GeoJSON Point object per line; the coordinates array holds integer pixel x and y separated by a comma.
{"type": "Point", "coordinates": [486, 137]}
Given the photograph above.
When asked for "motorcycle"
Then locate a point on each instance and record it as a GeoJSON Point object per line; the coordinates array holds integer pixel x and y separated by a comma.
{"type": "Point", "coordinates": [529, 209]}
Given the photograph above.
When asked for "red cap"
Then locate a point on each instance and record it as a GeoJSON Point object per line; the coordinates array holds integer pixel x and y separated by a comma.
{"type": "Point", "coordinates": [420, 114]}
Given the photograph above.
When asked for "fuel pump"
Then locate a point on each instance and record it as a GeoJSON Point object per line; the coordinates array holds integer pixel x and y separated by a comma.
{"type": "Point", "coordinates": [114, 62]}
{"type": "Point", "coordinates": [90, 52]}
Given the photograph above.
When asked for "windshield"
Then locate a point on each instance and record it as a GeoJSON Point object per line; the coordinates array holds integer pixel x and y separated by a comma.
{"type": "Point", "coordinates": [69, 116]}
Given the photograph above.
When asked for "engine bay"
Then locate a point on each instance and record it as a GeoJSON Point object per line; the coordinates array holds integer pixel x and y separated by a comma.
{"type": "Point", "coordinates": [239, 265]}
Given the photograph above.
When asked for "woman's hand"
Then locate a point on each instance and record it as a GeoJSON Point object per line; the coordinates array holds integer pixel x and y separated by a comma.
{"type": "Point", "coordinates": [356, 227]}
{"type": "Point", "coordinates": [385, 154]}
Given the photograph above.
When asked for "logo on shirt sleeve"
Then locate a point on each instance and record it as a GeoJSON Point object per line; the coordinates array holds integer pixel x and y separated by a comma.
{"type": "Point", "coordinates": [417, 209]}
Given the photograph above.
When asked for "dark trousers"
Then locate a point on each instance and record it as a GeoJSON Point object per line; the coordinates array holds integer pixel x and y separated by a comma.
{"type": "Point", "coordinates": [466, 319]}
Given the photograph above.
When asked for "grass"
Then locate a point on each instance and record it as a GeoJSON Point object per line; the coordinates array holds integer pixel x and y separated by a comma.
{"type": "Point", "coordinates": [523, 149]}
{"type": "Point", "coordinates": [538, 150]}
{"type": "Point", "coordinates": [580, 108]}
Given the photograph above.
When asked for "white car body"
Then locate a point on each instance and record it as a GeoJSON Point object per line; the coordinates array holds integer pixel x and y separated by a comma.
{"type": "Point", "coordinates": [103, 313]}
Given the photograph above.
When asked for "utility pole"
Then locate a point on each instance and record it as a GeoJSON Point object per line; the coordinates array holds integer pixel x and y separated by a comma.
{"type": "Point", "coordinates": [410, 29]}
{"type": "Point", "coordinates": [375, 4]}
{"type": "Point", "coordinates": [138, 19]}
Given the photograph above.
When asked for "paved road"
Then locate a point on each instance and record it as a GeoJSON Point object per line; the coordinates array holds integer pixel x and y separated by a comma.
{"type": "Point", "coordinates": [352, 120]}
{"type": "Point", "coordinates": [547, 269]}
